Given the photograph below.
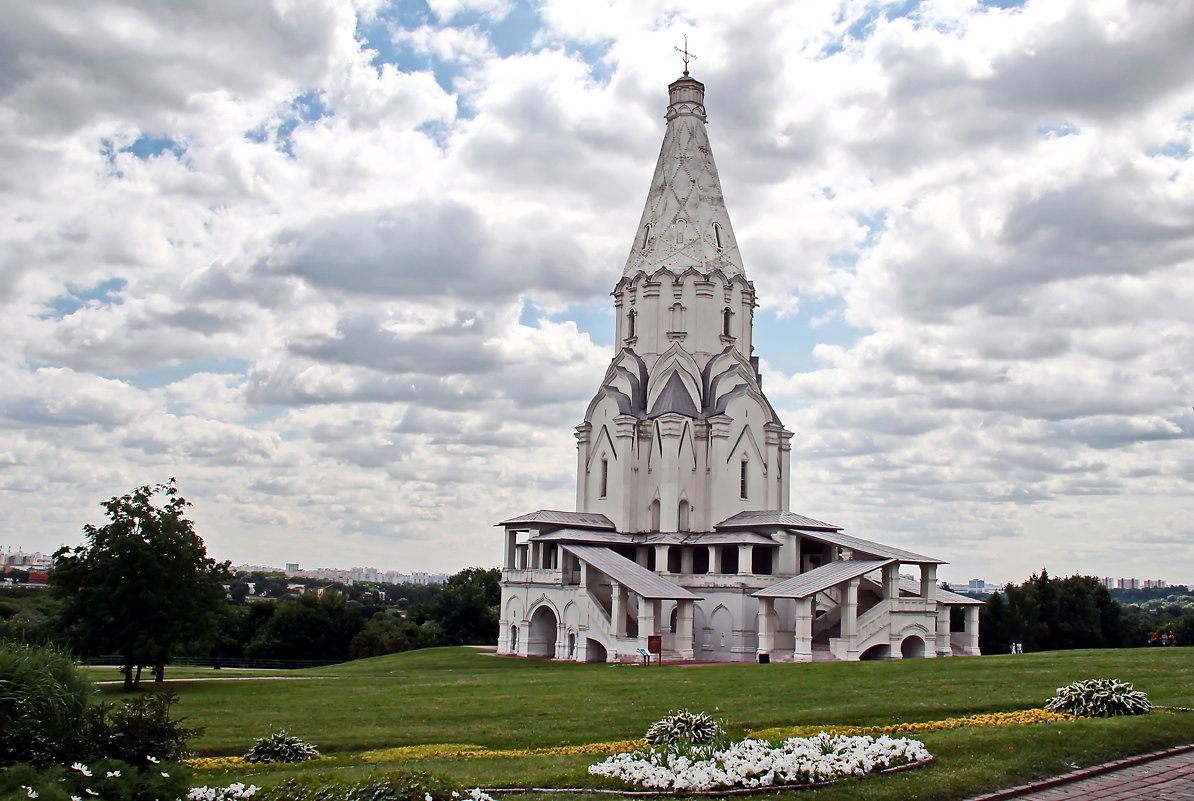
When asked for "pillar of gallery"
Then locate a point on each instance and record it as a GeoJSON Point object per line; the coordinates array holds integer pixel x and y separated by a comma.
{"type": "Point", "coordinates": [850, 620]}
{"type": "Point", "coordinates": [943, 647]}
{"type": "Point", "coordinates": [970, 648]}
{"type": "Point", "coordinates": [766, 625]}
{"type": "Point", "coordinates": [802, 648]}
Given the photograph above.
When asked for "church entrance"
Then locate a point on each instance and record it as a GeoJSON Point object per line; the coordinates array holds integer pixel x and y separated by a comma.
{"type": "Point", "coordinates": [541, 638]}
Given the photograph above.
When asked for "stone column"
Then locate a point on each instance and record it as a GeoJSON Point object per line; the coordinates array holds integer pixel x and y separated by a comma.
{"type": "Point", "coordinates": [641, 555]}
{"type": "Point", "coordinates": [802, 650]}
{"type": "Point", "coordinates": [891, 581]}
{"type": "Point", "coordinates": [683, 642]}
{"type": "Point", "coordinates": [618, 608]}
{"type": "Point", "coordinates": [745, 559]}
{"type": "Point", "coordinates": [661, 553]}
{"type": "Point", "coordinates": [686, 560]}
{"type": "Point", "coordinates": [943, 635]}
{"type": "Point", "coordinates": [715, 559]}
{"type": "Point", "coordinates": [647, 620]}
{"type": "Point", "coordinates": [971, 647]}
{"type": "Point", "coordinates": [850, 619]}
{"type": "Point", "coordinates": [766, 625]}
{"type": "Point", "coordinates": [582, 457]}
{"type": "Point", "coordinates": [928, 582]}
{"type": "Point", "coordinates": [524, 632]}
{"type": "Point", "coordinates": [511, 548]}
{"type": "Point", "coordinates": [536, 555]}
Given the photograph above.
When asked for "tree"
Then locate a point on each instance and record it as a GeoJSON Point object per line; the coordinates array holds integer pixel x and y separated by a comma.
{"type": "Point", "coordinates": [311, 626]}
{"type": "Point", "coordinates": [466, 609]}
{"type": "Point", "coordinates": [143, 585]}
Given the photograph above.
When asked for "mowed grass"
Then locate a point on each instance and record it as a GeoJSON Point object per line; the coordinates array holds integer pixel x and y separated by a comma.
{"type": "Point", "coordinates": [458, 695]}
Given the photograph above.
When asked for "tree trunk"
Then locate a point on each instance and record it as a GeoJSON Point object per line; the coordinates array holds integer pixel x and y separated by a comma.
{"type": "Point", "coordinates": [128, 673]}
{"type": "Point", "coordinates": [159, 671]}
{"type": "Point", "coordinates": [137, 679]}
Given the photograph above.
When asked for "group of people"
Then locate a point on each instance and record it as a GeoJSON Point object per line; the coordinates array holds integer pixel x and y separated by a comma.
{"type": "Point", "coordinates": [1017, 648]}
{"type": "Point", "coordinates": [1163, 638]}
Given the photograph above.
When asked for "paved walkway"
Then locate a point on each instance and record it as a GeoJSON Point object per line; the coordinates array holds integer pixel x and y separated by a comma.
{"type": "Point", "coordinates": [1165, 776]}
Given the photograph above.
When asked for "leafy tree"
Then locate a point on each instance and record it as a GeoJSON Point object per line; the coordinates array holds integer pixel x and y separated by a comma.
{"type": "Point", "coordinates": [1046, 613]}
{"type": "Point", "coordinates": [143, 585]}
{"type": "Point", "coordinates": [466, 609]}
{"type": "Point", "coordinates": [390, 633]}
{"type": "Point", "coordinates": [310, 626]}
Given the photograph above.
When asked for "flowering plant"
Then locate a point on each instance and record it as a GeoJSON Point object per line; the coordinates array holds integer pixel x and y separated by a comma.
{"type": "Point", "coordinates": [757, 763]}
{"type": "Point", "coordinates": [281, 747]}
{"type": "Point", "coordinates": [1099, 698]}
{"type": "Point", "coordinates": [683, 727]}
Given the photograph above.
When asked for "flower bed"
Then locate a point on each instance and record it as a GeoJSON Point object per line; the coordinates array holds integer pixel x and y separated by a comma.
{"type": "Point", "coordinates": [758, 764]}
{"type": "Point", "coordinates": [1024, 717]}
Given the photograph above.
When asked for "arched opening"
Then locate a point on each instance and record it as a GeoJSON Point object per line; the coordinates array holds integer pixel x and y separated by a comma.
{"type": "Point", "coordinates": [912, 648]}
{"type": "Point", "coordinates": [541, 639]}
{"type": "Point", "coordinates": [646, 237]}
{"type": "Point", "coordinates": [875, 652]}
{"type": "Point", "coordinates": [727, 317]}
{"type": "Point", "coordinates": [604, 476]}
{"type": "Point", "coordinates": [672, 619]}
{"type": "Point", "coordinates": [717, 236]}
{"type": "Point", "coordinates": [677, 318]}
{"type": "Point", "coordinates": [682, 515]}
{"type": "Point", "coordinates": [630, 317]}
{"type": "Point", "coordinates": [595, 651]}
{"type": "Point", "coordinates": [514, 639]}
{"type": "Point", "coordinates": [744, 481]}
{"type": "Point", "coordinates": [572, 645]}
{"type": "Point", "coordinates": [655, 515]}
{"type": "Point", "coordinates": [681, 231]}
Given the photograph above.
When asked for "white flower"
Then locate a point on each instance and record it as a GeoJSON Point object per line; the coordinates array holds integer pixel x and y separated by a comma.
{"type": "Point", "coordinates": [79, 766]}
{"type": "Point", "coordinates": [427, 797]}
{"type": "Point", "coordinates": [75, 798]}
{"type": "Point", "coordinates": [29, 791]}
{"type": "Point", "coordinates": [152, 760]}
{"type": "Point", "coordinates": [165, 775]}
{"type": "Point", "coordinates": [112, 773]}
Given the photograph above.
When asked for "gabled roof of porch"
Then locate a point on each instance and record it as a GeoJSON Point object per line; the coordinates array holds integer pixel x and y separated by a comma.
{"type": "Point", "coordinates": [556, 517]}
{"type": "Point", "coordinates": [631, 575]}
{"type": "Point", "coordinates": [775, 517]}
{"type": "Point", "coordinates": [822, 578]}
{"type": "Point", "coordinates": [871, 548]}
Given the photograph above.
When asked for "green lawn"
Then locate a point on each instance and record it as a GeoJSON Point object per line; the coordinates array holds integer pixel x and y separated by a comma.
{"type": "Point", "coordinates": [451, 695]}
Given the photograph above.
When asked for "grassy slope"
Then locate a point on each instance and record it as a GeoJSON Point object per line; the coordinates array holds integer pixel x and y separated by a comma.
{"type": "Point", "coordinates": [461, 696]}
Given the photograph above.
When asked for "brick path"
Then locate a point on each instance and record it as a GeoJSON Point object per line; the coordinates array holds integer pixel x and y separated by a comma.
{"type": "Point", "coordinates": [1165, 776]}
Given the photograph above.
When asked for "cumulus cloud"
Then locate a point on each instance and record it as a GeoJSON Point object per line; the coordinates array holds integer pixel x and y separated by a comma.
{"type": "Point", "coordinates": [318, 259]}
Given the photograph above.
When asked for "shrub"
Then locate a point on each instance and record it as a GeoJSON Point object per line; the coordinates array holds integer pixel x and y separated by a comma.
{"type": "Point", "coordinates": [683, 728]}
{"type": "Point", "coordinates": [43, 698]}
{"type": "Point", "coordinates": [104, 779]}
{"type": "Point", "coordinates": [138, 729]}
{"type": "Point", "coordinates": [281, 747]}
{"type": "Point", "coordinates": [1099, 698]}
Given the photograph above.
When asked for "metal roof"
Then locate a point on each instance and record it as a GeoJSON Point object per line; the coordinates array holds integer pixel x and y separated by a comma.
{"type": "Point", "coordinates": [776, 517]}
{"type": "Point", "coordinates": [871, 548]}
{"type": "Point", "coordinates": [912, 587]}
{"type": "Point", "coordinates": [629, 574]}
{"type": "Point", "coordinates": [555, 517]}
{"type": "Point", "coordinates": [584, 535]}
{"type": "Point", "coordinates": [822, 578]}
{"type": "Point", "coordinates": [699, 538]}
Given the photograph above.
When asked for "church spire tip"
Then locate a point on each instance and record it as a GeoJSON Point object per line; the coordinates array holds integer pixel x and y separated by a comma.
{"type": "Point", "coordinates": [685, 55]}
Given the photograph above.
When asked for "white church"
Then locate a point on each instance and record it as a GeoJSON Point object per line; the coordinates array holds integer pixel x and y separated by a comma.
{"type": "Point", "coordinates": [682, 544]}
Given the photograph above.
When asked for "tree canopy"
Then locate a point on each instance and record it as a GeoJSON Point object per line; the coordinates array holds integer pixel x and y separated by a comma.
{"type": "Point", "coordinates": [143, 585]}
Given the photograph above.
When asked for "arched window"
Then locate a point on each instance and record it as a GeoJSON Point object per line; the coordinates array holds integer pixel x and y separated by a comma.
{"type": "Point", "coordinates": [727, 318]}
{"type": "Point", "coordinates": [681, 231]}
{"type": "Point", "coordinates": [646, 237]}
{"type": "Point", "coordinates": [604, 476]}
{"type": "Point", "coordinates": [655, 515]}
{"type": "Point", "coordinates": [743, 485]}
{"type": "Point", "coordinates": [630, 323]}
{"type": "Point", "coordinates": [677, 317]}
{"type": "Point", "coordinates": [682, 515]}
{"type": "Point", "coordinates": [717, 236]}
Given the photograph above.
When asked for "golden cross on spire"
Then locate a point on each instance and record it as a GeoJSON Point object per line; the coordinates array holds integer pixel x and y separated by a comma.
{"type": "Point", "coordinates": [686, 55]}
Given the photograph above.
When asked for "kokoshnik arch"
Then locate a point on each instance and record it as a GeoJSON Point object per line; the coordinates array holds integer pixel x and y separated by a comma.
{"type": "Point", "coordinates": [682, 538]}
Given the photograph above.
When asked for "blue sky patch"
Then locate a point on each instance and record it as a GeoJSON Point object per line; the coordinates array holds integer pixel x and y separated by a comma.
{"type": "Point", "coordinates": [169, 373]}
{"type": "Point", "coordinates": [103, 294]}
{"type": "Point", "coordinates": [787, 343]}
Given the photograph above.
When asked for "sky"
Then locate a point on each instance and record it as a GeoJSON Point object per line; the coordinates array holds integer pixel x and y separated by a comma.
{"type": "Point", "coordinates": [342, 267]}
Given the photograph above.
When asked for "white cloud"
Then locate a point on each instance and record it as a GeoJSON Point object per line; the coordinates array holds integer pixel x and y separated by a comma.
{"type": "Point", "coordinates": [247, 247]}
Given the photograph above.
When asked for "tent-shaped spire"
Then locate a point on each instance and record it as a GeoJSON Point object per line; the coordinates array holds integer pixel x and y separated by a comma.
{"type": "Point", "coordinates": [685, 223]}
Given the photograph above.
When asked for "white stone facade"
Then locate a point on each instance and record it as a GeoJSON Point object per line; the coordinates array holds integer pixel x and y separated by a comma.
{"type": "Point", "coordinates": [682, 542]}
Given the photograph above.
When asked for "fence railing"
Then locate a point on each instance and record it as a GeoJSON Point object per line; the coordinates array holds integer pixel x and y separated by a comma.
{"type": "Point", "coordinates": [225, 662]}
